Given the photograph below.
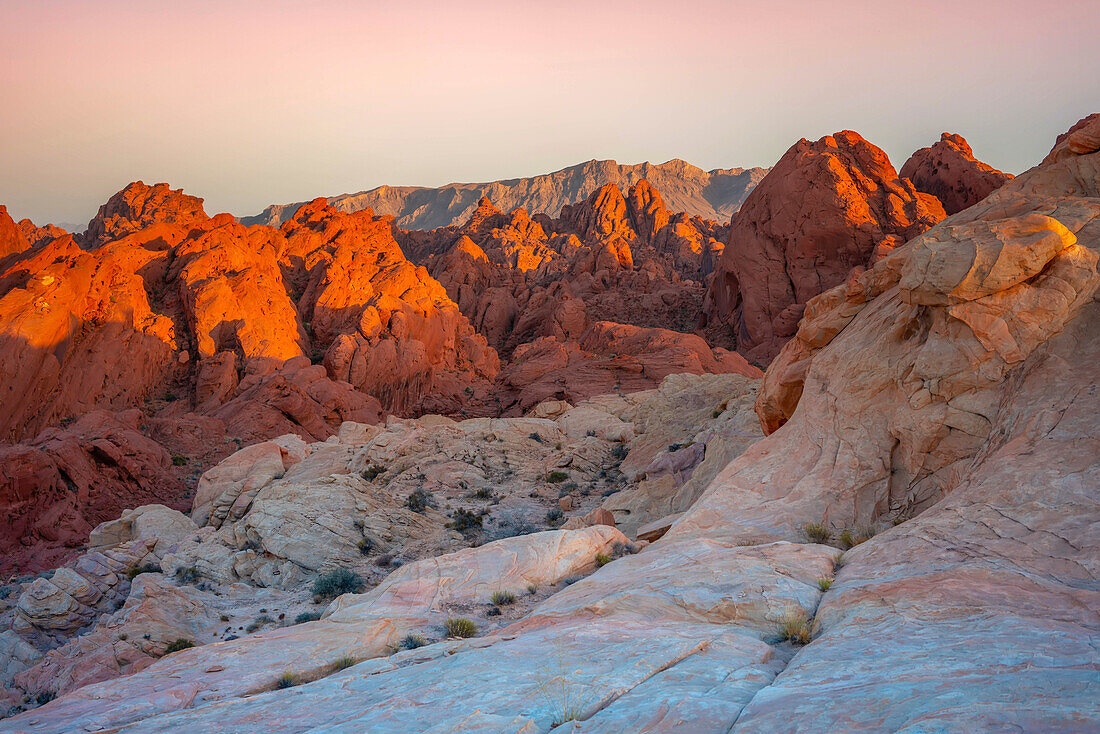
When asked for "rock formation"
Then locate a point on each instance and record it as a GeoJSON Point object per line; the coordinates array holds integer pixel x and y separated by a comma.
{"type": "Point", "coordinates": [713, 195]}
{"type": "Point", "coordinates": [819, 213]}
{"type": "Point", "coordinates": [949, 171]}
{"type": "Point", "coordinates": [911, 547]}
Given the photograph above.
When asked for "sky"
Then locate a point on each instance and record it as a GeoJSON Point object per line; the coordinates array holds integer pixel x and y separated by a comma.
{"type": "Point", "coordinates": [251, 103]}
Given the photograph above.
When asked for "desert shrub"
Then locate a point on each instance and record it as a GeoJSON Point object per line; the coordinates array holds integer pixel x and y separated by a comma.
{"type": "Point", "coordinates": [5, 592]}
{"type": "Point", "coordinates": [795, 626]}
{"type": "Point", "coordinates": [188, 575]}
{"type": "Point", "coordinates": [825, 583]}
{"type": "Point", "coordinates": [748, 542]}
{"type": "Point", "coordinates": [619, 452]}
{"type": "Point", "coordinates": [179, 460]}
{"type": "Point", "coordinates": [178, 645]}
{"type": "Point", "coordinates": [344, 662]}
{"type": "Point", "coordinates": [372, 472]}
{"type": "Point", "coordinates": [462, 519]}
{"type": "Point", "coordinates": [554, 515]}
{"type": "Point", "coordinates": [556, 476]}
{"type": "Point", "coordinates": [335, 583]}
{"type": "Point", "coordinates": [816, 532]}
{"type": "Point", "coordinates": [483, 494]}
{"type": "Point", "coordinates": [307, 617]}
{"type": "Point", "coordinates": [420, 500]}
{"type": "Point", "coordinates": [384, 560]}
{"type": "Point", "coordinates": [287, 680]}
{"type": "Point", "coordinates": [412, 641]}
{"type": "Point", "coordinates": [138, 570]}
{"type": "Point", "coordinates": [501, 598]}
{"type": "Point", "coordinates": [570, 580]}
{"type": "Point", "coordinates": [365, 546]}
{"type": "Point", "coordinates": [590, 433]}
{"type": "Point", "coordinates": [123, 636]}
{"type": "Point", "coordinates": [44, 697]}
{"type": "Point", "coordinates": [674, 447]}
{"type": "Point", "coordinates": [512, 523]}
{"type": "Point", "coordinates": [535, 437]}
{"type": "Point", "coordinates": [852, 538]}
{"type": "Point", "coordinates": [459, 627]}
{"type": "Point", "coordinates": [715, 414]}
{"type": "Point", "coordinates": [602, 559]}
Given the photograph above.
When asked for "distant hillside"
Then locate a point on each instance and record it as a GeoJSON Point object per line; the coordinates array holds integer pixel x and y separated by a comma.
{"type": "Point", "coordinates": [714, 195]}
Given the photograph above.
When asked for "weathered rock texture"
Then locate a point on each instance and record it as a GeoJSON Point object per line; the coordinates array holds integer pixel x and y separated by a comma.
{"type": "Point", "coordinates": [820, 212]}
{"type": "Point", "coordinates": [709, 194]}
{"type": "Point", "coordinates": [949, 171]}
{"type": "Point", "coordinates": [935, 415]}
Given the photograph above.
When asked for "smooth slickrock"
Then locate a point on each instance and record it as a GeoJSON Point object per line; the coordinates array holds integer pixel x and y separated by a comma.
{"type": "Point", "coordinates": [949, 171]}
{"type": "Point", "coordinates": [819, 213]}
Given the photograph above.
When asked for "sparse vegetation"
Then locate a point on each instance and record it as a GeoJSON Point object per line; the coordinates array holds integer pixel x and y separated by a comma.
{"type": "Point", "coordinates": [344, 662]}
{"type": "Point", "coordinates": [852, 538]}
{"type": "Point", "coordinates": [287, 680]}
{"type": "Point", "coordinates": [512, 523]}
{"type": "Point", "coordinates": [307, 617]}
{"type": "Point", "coordinates": [817, 532]}
{"type": "Point", "coordinates": [335, 583]}
{"type": "Point", "coordinates": [532, 588]}
{"type": "Point", "coordinates": [384, 560]}
{"type": "Point", "coordinates": [371, 472]}
{"type": "Point", "coordinates": [556, 476]}
{"type": "Point", "coordinates": [365, 546]}
{"type": "Point", "coordinates": [188, 575]}
{"type": "Point", "coordinates": [44, 697]}
{"type": "Point", "coordinates": [715, 414]}
{"type": "Point", "coordinates": [420, 500]}
{"type": "Point", "coordinates": [462, 519]}
{"type": "Point", "coordinates": [602, 559]}
{"type": "Point", "coordinates": [795, 626]}
{"type": "Point", "coordinates": [619, 452]}
{"type": "Point", "coordinates": [459, 627]}
{"type": "Point", "coordinates": [179, 460]}
{"type": "Point", "coordinates": [535, 437]}
{"type": "Point", "coordinates": [554, 516]}
{"type": "Point", "coordinates": [412, 641]}
{"type": "Point", "coordinates": [502, 598]}
{"type": "Point", "coordinates": [180, 644]}
{"type": "Point", "coordinates": [138, 570]}
{"type": "Point", "coordinates": [825, 583]}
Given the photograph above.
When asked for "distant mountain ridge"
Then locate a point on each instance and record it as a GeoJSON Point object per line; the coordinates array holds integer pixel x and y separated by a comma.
{"type": "Point", "coordinates": [713, 195]}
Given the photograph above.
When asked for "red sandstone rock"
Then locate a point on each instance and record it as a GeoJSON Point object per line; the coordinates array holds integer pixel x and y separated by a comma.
{"type": "Point", "coordinates": [12, 237]}
{"type": "Point", "coordinates": [137, 206]}
{"type": "Point", "coordinates": [57, 487]}
{"type": "Point", "coordinates": [820, 212]}
{"type": "Point", "coordinates": [949, 171]}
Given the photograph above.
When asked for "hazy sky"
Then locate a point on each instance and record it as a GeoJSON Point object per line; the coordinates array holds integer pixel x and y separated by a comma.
{"type": "Point", "coordinates": [250, 103]}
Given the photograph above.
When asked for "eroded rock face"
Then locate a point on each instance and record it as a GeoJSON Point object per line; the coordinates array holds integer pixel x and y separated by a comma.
{"type": "Point", "coordinates": [13, 239]}
{"type": "Point", "coordinates": [54, 489]}
{"type": "Point", "coordinates": [819, 213]}
{"type": "Point", "coordinates": [949, 171]}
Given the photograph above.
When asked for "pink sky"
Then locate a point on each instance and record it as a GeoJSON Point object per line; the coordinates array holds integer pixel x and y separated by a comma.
{"type": "Point", "coordinates": [250, 103]}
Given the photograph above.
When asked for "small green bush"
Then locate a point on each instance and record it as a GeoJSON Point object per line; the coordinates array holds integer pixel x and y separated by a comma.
{"type": "Point", "coordinates": [602, 559]}
{"type": "Point", "coordinates": [307, 617]}
{"type": "Point", "coordinates": [556, 476]}
{"type": "Point", "coordinates": [501, 598]}
{"type": "Point", "coordinates": [365, 546]}
{"type": "Point", "coordinates": [188, 575]}
{"type": "Point", "coordinates": [372, 472]}
{"type": "Point", "coordinates": [459, 627]}
{"type": "Point", "coordinates": [619, 452]}
{"type": "Point", "coordinates": [532, 588]}
{"type": "Point", "coordinates": [287, 680]}
{"type": "Point", "coordinates": [554, 515]}
{"type": "Point", "coordinates": [715, 414]}
{"type": "Point", "coordinates": [852, 538]}
{"type": "Point", "coordinates": [816, 532]}
{"type": "Point", "coordinates": [179, 460]}
{"type": "Point", "coordinates": [344, 662]}
{"type": "Point", "coordinates": [825, 583]}
{"type": "Point", "coordinates": [412, 641]}
{"type": "Point", "coordinates": [178, 645]}
{"type": "Point", "coordinates": [463, 519]}
{"type": "Point", "coordinates": [335, 583]}
{"type": "Point", "coordinates": [535, 437]}
{"type": "Point", "coordinates": [45, 697]}
{"type": "Point", "coordinates": [419, 501]}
